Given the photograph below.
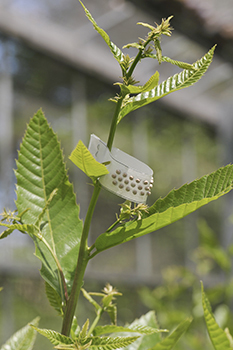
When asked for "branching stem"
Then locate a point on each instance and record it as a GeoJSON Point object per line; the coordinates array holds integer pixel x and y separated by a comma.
{"type": "Point", "coordinates": [137, 59]}
{"type": "Point", "coordinates": [84, 251]}
{"type": "Point", "coordinates": [81, 265]}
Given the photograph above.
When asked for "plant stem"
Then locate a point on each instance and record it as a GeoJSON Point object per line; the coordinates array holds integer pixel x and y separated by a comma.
{"type": "Point", "coordinates": [137, 59]}
{"type": "Point", "coordinates": [121, 98]}
{"type": "Point", "coordinates": [81, 265]}
{"type": "Point", "coordinates": [133, 65]}
{"type": "Point", "coordinates": [95, 322]}
{"type": "Point", "coordinates": [114, 123]}
{"type": "Point", "coordinates": [84, 250]}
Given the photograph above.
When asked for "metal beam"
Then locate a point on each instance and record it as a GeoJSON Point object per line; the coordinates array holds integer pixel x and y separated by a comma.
{"type": "Point", "coordinates": [64, 44]}
{"type": "Point", "coordinates": [58, 42]}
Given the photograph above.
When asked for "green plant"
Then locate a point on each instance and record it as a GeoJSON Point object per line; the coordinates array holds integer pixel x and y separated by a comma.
{"type": "Point", "coordinates": [48, 213]}
{"type": "Point", "coordinates": [179, 293]}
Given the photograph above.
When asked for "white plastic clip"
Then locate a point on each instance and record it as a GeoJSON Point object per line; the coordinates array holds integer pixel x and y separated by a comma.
{"type": "Point", "coordinates": [128, 177]}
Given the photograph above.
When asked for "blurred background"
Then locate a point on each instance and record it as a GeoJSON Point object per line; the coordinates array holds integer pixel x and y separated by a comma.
{"type": "Point", "coordinates": [51, 57]}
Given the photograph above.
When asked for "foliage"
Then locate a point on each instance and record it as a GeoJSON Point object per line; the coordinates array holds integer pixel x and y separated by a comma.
{"type": "Point", "coordinates": [176, 205]}
{"type": "Point", "coordinates": [84, 160]}
{"type": "Point", "coordinates": [179, 291]}
{"type": "Point", "coordinates": [219, 338]}
{"type": "Point", "coordinates": [48, 205]}
{"type": "Point", "coordinates": [24, 339]}
{"type": "Point", "coordinates": [48, 213]}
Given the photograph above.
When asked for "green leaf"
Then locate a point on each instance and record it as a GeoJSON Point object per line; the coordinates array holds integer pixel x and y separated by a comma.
{"type": "Point", "coordinates": [24, 339]}
{"type": "Point", "coordinates": [171, 340]}
{"type": "Point", "coordinates": [6, 233]}
{"type": "Point", "coordinates": [96, 343]}
{"type": "Point", "coordinates": [75, 329]}
{"type": "Point", "coordinates": [117, 53]}
{"type": "Point", "coordinates": [145, 341]}
{"type": "Point", "coordinates": [91, 300]}
{"type": "Point", "coordinates": [229, 337]}
{"type": "Point", "coordinates": [109, 343]}
{"type": "Point", "coordinates": [218, 337]}
{"type": "Point", "coordinates": [84, 330]}
{"type": "Point", "coordinates": [65, 347]}
{"type": "Point", "coordinates": [132, 89]}
{"type": "Point", "coordinates": [99, 330]}
{"type": "Point", "coordinates": [146, 25]}
{"type": "Point", "coordinates": [54, 337]}
{"type": "Point", "coordinates": [54, 298]}
{"type": "Point", "coordinates": [134, 45]}
{"type": "Point", "coordinates": [24, 228]}
{"type": "Point", "coordinates": [112, 313]}
{"type": "Point", "coordinates": [151, 83]}
{"type": "Point", "coordinates": [179, 64]}
{"type": "Point", "coordinates": [174, 83]}
{"type": "Point", "coordinates": [220, 256]}
{"type": "Point", "coordinates": [176, 205]}
{"type": "Point", "coordinates": [43, 186]}
{"type": "Point", "coordinates": [84, 160]}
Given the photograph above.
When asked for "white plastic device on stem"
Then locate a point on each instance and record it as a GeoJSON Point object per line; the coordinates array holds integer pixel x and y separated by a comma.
{"type": "Point", "coordinates": [128, 177]}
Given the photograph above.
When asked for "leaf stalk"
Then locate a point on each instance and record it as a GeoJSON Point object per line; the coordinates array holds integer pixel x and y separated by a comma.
{"type": "Point", "coordinates": [95, 322]}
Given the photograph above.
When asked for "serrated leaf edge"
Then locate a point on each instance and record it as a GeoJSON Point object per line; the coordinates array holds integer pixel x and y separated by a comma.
{"type": "Point", "coordinates": [174, 83]}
